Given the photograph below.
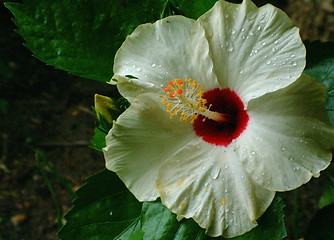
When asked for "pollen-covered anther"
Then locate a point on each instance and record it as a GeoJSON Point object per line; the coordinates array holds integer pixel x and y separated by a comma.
{"type": "Point", "coordinates": [184, 97]}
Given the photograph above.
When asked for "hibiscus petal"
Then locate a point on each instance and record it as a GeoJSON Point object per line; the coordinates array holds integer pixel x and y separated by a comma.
{"type": "Point", "coordinates": [254, 50]}
{"type": "Point", "coordinates": [141, 139]}
{"type": "Point", "coordinates": [209, 184]}
{"type": "Point", "coordinates": [171, 48]}
{"type": "Point", "coordinates": [289, 137]}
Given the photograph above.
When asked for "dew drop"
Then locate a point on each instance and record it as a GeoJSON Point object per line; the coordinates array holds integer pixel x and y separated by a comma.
{"type": "Point", "coordinates": [215, 172]}
{"type": "Point", "coordinates": [294, 63]}
{"type": "Point", "coordinates": [233, 31]}
{"type": "Point", "coordinates": [251, 33]}
{"type": "Point", "coordinates": [226, 166]}
{"type": "Point", "coordinates": [153, 65]}
{"type": "Point", "coordinates": [282, 148]}
{"type": "Point", "coordinates": [241, 71]}
{"type": "Point", "coordinates": [257, 138]}
{"type": "Point", "coordinates": [138, 69]}
{"type": "Point", "coordinates": [242, 29]}
{"type": "Point", "coordinates": [253, 153]}
{"type": "Point", "coordinates": [292, 55]}
{"type": "Point", "coordinates": [268, 62]}
{"type": "Point", "coordinates": [242, 177]}
{"type": "Point", "coordinates": [258, 28]}
{"type": "Point", "coordinates": [231, 221]}
{"type": "Point", "coordinates": [264, 43]}
{"type": "Point", "coordinates": [230, 48]}
{"type": "Point", "coordinates": [110, 213]}
{"type": "Point", "coordinates": [276, 42]}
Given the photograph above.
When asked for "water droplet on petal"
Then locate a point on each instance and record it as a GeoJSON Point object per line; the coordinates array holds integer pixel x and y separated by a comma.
{"type": "Point", "coordinates": [264, 43]}
{"type": "Point", "coordinates": [253, 153]}
{"type": "Point", "coordinates": [215, 172]}
{"type": "Point", "coordinates": [292, 55]}
{"type": "Point", "coordinates": [230, 48]}
{"type": "Point", "coordinates": [153, 65]}
{"type": "Point", "coordinates": [258, 28]}
{"type": "Point", "coordinates": [241, 71]}
{"type": "Point", "coordinates": [294, 63]}
{"type": "Point", "coordinates": [268, 62]}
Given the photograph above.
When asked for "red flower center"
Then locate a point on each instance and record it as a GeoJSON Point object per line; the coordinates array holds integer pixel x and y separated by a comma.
{"type": "Point", "coordinates": [222, 133]}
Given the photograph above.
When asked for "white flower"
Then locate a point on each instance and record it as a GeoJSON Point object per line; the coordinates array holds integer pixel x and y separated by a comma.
{"type": "Point", "coordinates": [270, 130]}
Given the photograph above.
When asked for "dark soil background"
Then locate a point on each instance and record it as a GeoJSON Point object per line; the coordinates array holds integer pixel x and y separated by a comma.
{"type": "Point", "coordinates": [48, 109]}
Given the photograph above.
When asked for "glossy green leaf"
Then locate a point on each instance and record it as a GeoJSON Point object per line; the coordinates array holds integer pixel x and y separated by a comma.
{"type": "Point", "coordinates": [193, 8]}
{"type": "Point", "coordinates": [271, 224]}
{"type": "Point", "coordinates": [103, 209]}
{"type": "Point", "coordinates": [78, 36]}
{"type": "Point", "coordinates": [158, 223]}
{"type": "Point", "coordinates": [320, 65]}
{"type": "Point", "coordinates": [82, 37]}
{"type": "Point", "coordinates": [98, 142]}
{"type": "Point", "coordinates": [327, 198]}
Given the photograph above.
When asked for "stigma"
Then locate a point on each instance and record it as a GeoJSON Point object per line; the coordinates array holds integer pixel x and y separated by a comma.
{"type": "Point", "coordinates": [183, 98]}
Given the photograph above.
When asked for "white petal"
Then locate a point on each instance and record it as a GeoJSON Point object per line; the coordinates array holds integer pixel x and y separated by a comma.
{"type": "Point", "coordinates": [140, 141]}
{"type": "Point", "coordinates": [289, 138]}
{"type": "Point", "coordinates": [209, 184]}
{"type": "Point", "coordinates": [254, 50]}
{"type": "Point", "coordinates": [171, 48]}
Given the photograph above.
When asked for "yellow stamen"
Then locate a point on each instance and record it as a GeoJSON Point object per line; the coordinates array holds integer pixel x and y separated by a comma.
{"type": "Point", "coordinates": [185, 97]}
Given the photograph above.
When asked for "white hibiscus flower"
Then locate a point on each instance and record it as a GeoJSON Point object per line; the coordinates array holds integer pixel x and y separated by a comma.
{"type": "Point", "coordinates": [251, 122]}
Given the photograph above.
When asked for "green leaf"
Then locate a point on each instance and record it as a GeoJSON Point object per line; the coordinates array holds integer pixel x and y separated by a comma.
{"type": "Point", "coordinates": [321, 225]}
{"type": "Point", "coordinates": [158, 223]}
{"type": "Point", "coordinates": [82, 37]}
{"type": "Point", "coordinates": [327, 198]}
{"type": "Point", "coordinates": [271, 224]}
{"type": "Point", "coordinates": [320, 65]}
{"type": "Point", "coordinates": [103, 209]}
{"type": "Point", "coordinates": [98, 142]}
{"type": "Point", "coordinates": [78, 36]}
{"type": "Point", "coordinates": [193, 8]}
